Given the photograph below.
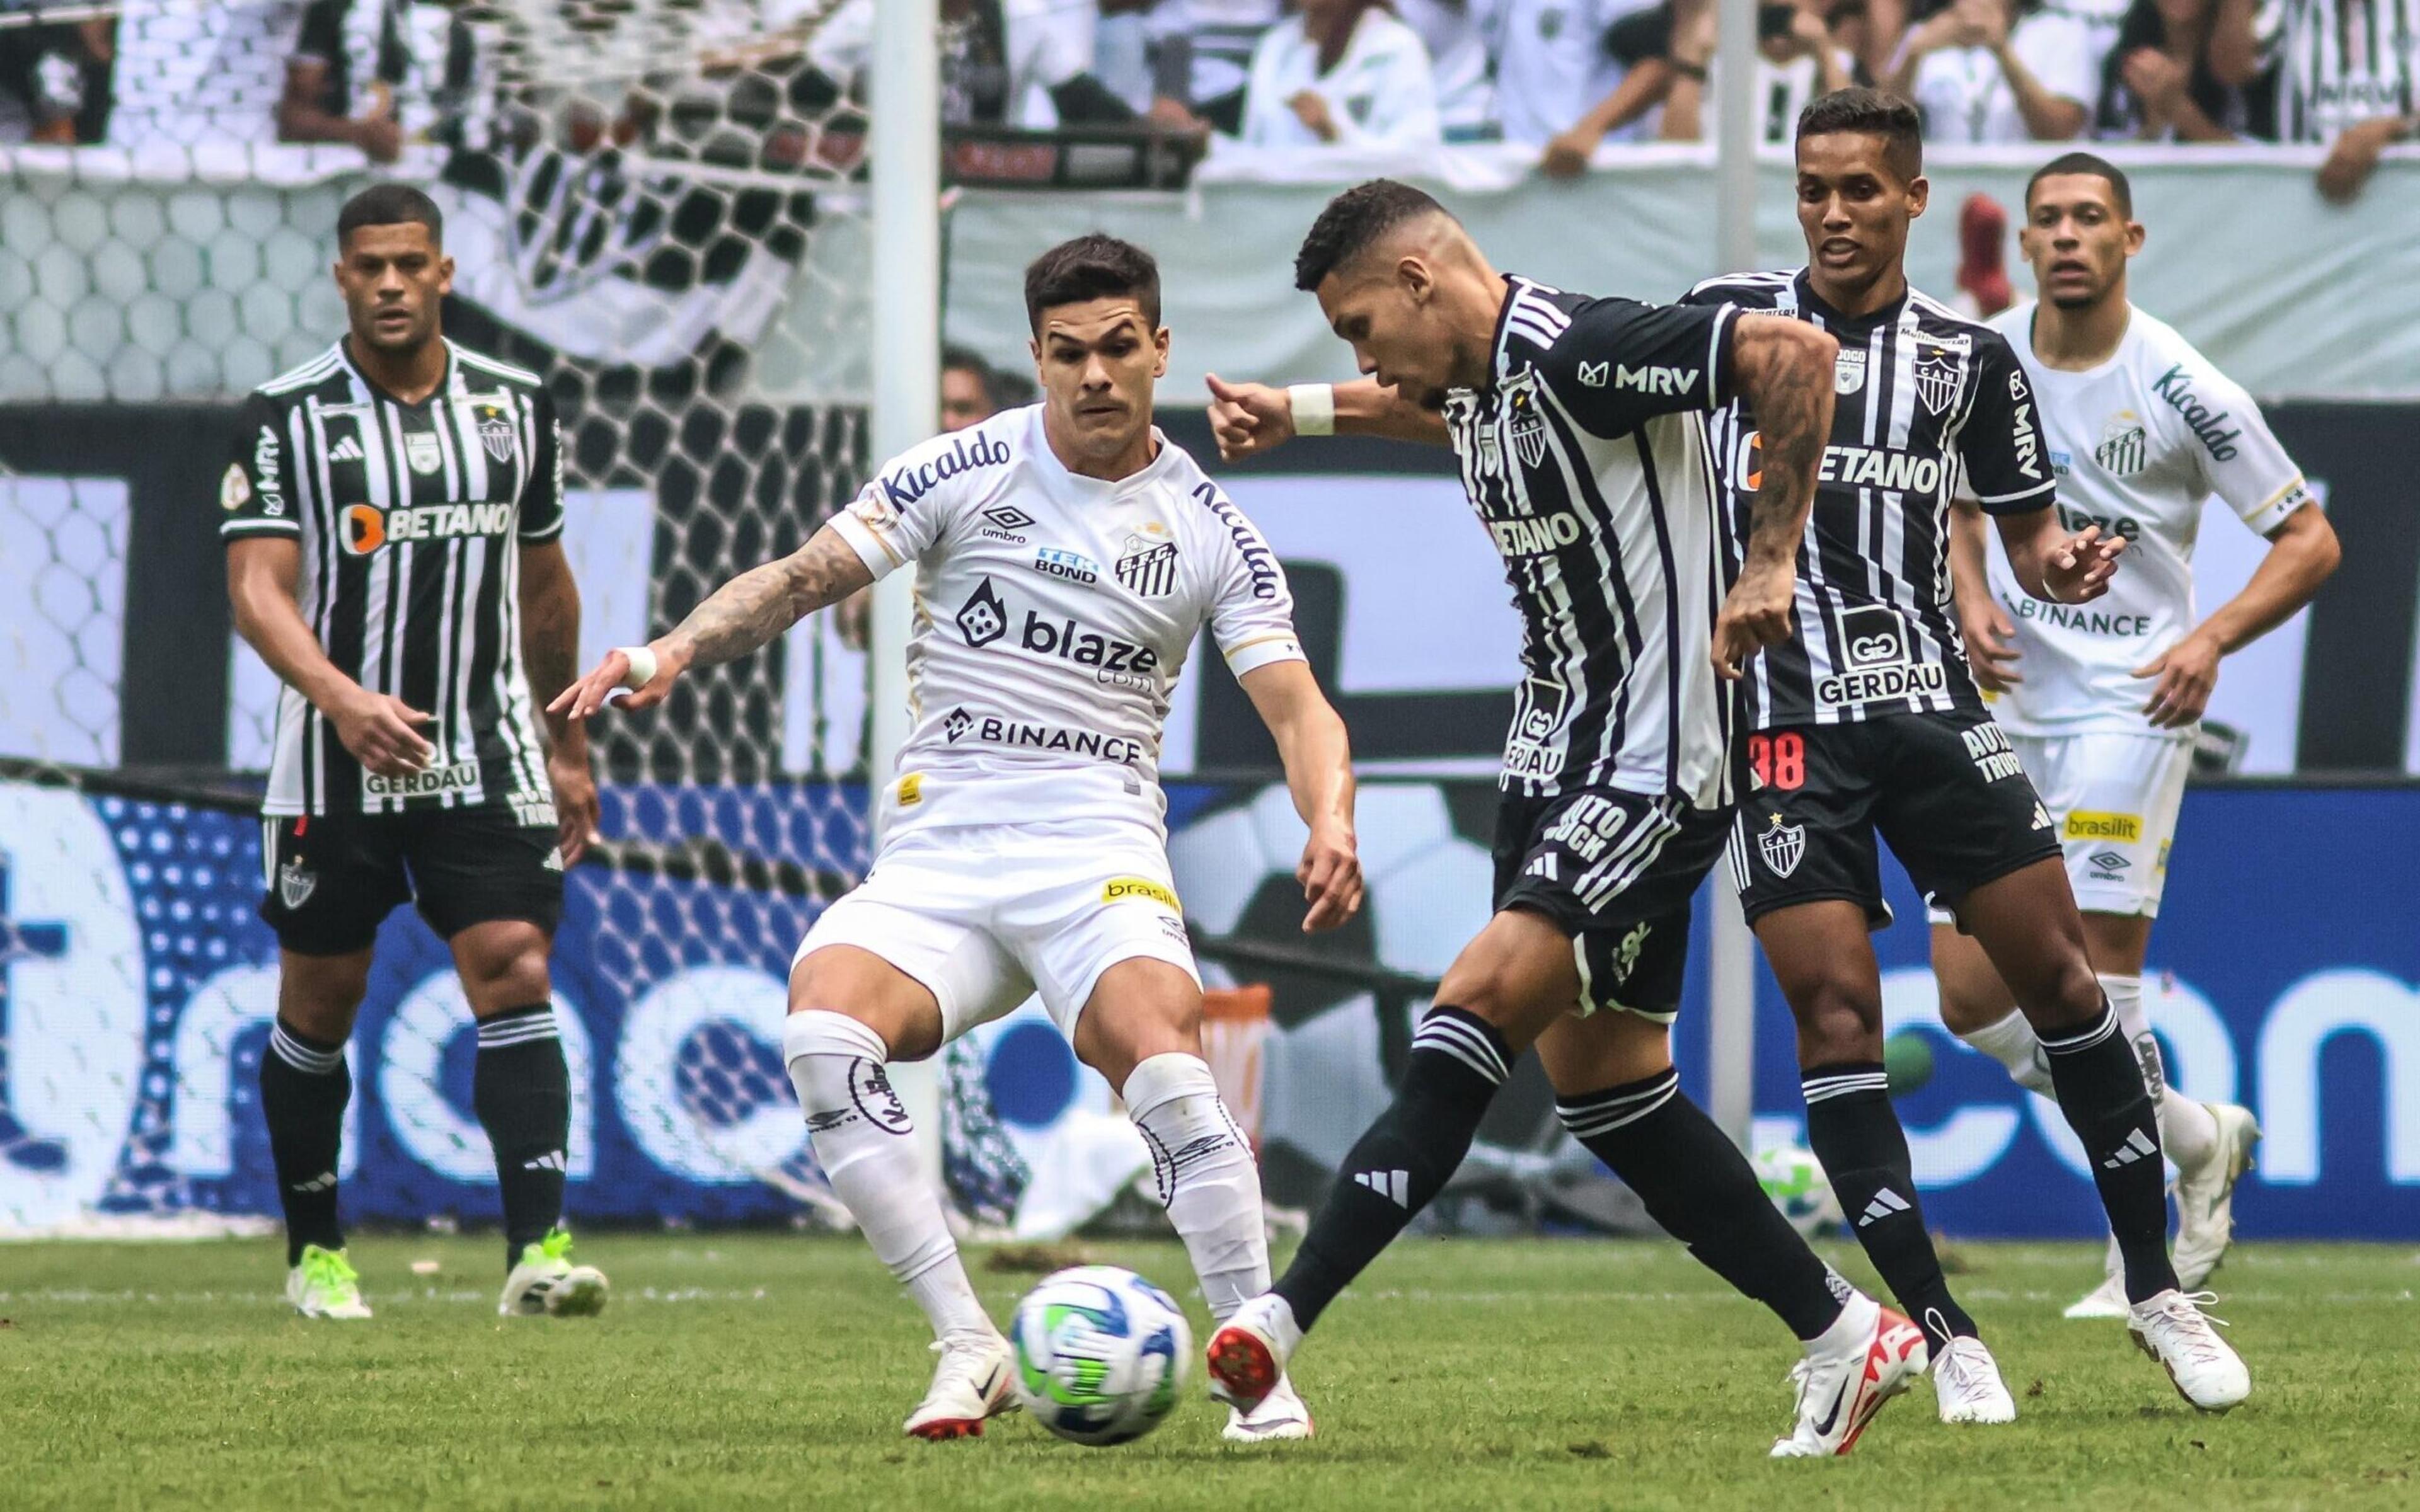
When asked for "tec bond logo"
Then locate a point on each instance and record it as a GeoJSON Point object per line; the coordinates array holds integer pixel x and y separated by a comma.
{"type": "Point", "coordinates": [982, 618]}
{"type": "Point", "coordinates": [1074, 566]}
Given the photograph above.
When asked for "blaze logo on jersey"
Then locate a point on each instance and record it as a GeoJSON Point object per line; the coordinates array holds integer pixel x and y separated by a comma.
{"type": "Point", "coordinates": [1147, 565]}
{"type": "Point", "coordinates": [2124, 445]}
{"type": "Point", "coordinates": [1936, 375]}
{"type": "Point", "coordinates": [1782, 846]}
{"type": "Point", "coordinates": [982, 618]}
{"type": "Point", "coordinates": [496, 435]}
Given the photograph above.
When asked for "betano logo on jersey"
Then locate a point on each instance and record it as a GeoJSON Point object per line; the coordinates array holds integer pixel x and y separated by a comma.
{"type": "Point", "coordinates": [368, 528]}
{"type": "Point", "coordinates": [1879, 467]}
{"type": "Point", "coordinates": [1537, 537]}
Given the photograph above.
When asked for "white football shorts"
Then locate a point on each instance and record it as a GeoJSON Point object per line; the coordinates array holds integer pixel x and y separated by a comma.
{"type": "Point", "coordinates": [986, 914]}
{"type": "Point", "coordinates": [2115, 797]}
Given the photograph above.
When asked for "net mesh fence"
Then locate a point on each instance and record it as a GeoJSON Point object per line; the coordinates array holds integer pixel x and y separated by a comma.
{"type": "Point", "coordinates": [657, 206]}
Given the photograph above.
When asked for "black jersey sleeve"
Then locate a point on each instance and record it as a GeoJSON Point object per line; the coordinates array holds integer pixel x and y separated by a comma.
{"type": "Point", "coordinates": [255, 492]}
{"type": "Point", "coordinates": [1619, 362]}
{"type": "Point", "coordinates": [1999, 437]}
{"type": "Point", "coordinates": [541, 511]}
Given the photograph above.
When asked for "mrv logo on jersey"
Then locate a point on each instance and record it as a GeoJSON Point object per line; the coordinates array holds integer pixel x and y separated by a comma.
{"type": "Point", "coordinates": [1878, 660]}
{"type": "Point", "coordinates": [367, 528]}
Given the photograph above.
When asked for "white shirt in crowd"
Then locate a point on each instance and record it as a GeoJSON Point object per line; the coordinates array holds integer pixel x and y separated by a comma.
{"type": "Point", "coordinates": [1782, 91]}
{"type": "Point", "coordinates": [1379, 94]}
{"type": "Point", "coordinates": [198, 73]}
{"type": "Point", "coordinates": [1048, 42]}
{"type": "Point", "coordinates": [1466, 90]}
{"type": "Point", "coordinates": [1057, 614]}
{"type": "Point", "coordinates": [1551, 62]}
{"type": "Point", "coordinates": [1224, 32]}
{"type": "Point", "coordinates": [2138, 444]}
{"type": "Point", "coordinates": [1965, 96]}
{"type": "Point", "coordinates": [2340, 62]}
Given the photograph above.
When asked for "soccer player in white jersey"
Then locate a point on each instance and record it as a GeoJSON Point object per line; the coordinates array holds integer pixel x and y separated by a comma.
{"type": "Point", "coordinates": [2101, 701]}
{"type": "Point", "coordinates": [1067, 556]}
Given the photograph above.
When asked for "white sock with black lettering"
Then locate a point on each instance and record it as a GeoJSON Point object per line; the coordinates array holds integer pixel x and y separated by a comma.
{"type": "Point", "coordinates": [2013, 1043]}
{"type": "Point", "coordinates": [2187, 1131]}
{"type": "Point", "coordinates": [862, 1140]}
{"type": "Point", "coordinates": [1206, 1175]}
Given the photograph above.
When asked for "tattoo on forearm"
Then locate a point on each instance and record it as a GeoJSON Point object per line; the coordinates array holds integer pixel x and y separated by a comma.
{"type": "Point", "coordinates": [1791, 398]}
{"type": "Point", "coordinates": [757, 606]}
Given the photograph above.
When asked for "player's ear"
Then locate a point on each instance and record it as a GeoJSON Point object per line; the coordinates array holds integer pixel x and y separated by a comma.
{"type": "Point", "coordinates": [1919, 194]}
{"type": "Point", "coordinates": [2136, 234]}
{"type": "Point", "coordinates": [1159, 341]}
{"type": "Point", "coordinates": [1418, 280]}
{"type": "Point", "coordinates": [444, 276]}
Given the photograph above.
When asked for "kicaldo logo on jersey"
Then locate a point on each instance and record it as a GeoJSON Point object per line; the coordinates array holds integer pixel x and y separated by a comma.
{"type": "Point", "coordinates": [2093, 824]}
{"type": "Point", "coordinates": [367, 528]}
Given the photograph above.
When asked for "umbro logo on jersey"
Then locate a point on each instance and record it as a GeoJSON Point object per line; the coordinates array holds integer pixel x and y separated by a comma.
{"type": "Point", "coordinates": [2138, 1145]}
{"type": "Point", "coordinates": [348, 450]}
{"type": "Point", "coordinates": [1395, 1186]}
{"type": "Point", "coordinates": [2109, 861]}
{"type": "Point", "coordinates": [1885, 1202]}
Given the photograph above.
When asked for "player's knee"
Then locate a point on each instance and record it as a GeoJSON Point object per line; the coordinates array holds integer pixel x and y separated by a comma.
{"type": "Point", "coordinates": [320, 995]}
{"type": "Point", "coordinates": [2066, 995]}
{"type": "Point", "coordinates": [1837, 1020]}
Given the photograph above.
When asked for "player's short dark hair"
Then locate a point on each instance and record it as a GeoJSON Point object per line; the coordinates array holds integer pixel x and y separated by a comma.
{"type": "Point", "coordinates": [1353, 222]}
{"type": "Point", "coordinates": [2093, 165]}
{"type": "Point", "coordinates": [1869, 113]}
{"type": "Point", "coordinates": [391, 205]}
{"type": "Point", "coordinates": [967, 360]}
{"type": "Point", "coordinates": [1092, 267]}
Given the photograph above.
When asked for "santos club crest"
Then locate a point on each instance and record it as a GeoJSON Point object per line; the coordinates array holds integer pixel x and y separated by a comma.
{"type": "Point", "coordinates": [1147, 563]}
{"type": "Point", "coordinates": [1781, 845]}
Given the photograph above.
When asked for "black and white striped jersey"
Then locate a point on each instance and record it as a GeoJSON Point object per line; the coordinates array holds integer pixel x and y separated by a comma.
{"type": "Point", "coordinates": [2340, 62]}
{"type": "Point", "coordinates": [1922, 398]}
{"type": "Point", "coordinates": [1586, 458]}
{"type": "Point", "coordinates": [411, 519]}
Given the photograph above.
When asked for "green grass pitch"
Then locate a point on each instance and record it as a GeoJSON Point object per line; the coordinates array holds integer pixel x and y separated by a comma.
{"type": "Point", "coordinates": [766, 1370]}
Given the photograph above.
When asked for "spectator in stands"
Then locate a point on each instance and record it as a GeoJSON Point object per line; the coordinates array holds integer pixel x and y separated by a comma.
{"type": "Point", "coordinates": [1555, 61]}
{"type": "Point", "coordinates": [2345, 75]}
{"type": "Point", "coordinates": [1341, 73]}
{"type": "Point", "coordinates": [2158, 83]}
{"type": "Point", "coordinates": [1670, 51]}
{"type": "Point", "coordinates": [1203, 51]}
{"type": "Point", "coordinates": [1023, 63]}
{"type": "Point", "coordinates": [1998, 70]}
{"type": "Point", "coordinates": [341, 79]}
{"type": "Point", "coordinates": [1466, 90]}
{"type": "Point", "coordinates": [55, 80]}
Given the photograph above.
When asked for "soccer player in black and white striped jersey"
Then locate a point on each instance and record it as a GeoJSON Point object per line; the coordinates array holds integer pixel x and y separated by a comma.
{"type": "Point", "coordinates": [1869, 723]}
{"type": "Point", "coordinates": [394, 511]}
{"type": "Point", "coordinates": [1579, 426]}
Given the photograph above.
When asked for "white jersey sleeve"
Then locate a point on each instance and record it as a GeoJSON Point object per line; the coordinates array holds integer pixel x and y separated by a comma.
{"type": "Point", "coordinates": [909, 504]}
{"type": "Point", "coordinates": [1252, 609]}
{"type": "Point", "coordinates": [2241, 459]}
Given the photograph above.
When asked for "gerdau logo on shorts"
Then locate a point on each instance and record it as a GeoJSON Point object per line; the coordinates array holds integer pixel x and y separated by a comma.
{"type": "Point", "coordinates": [1119, 890]}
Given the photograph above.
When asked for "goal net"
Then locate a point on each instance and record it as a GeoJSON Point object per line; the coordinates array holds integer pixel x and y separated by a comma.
{"type": "Point", "coordinates": [659, 205]}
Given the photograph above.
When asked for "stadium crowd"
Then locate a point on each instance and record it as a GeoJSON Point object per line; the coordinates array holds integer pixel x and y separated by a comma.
{"type": "Point", "coordinates": [1564, 77]}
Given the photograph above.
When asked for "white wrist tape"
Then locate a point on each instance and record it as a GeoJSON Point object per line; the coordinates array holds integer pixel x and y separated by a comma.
{"type": "Point", "coordinates": [643, 666]}
{"type": "Point", "coordinates": [1314, 408]}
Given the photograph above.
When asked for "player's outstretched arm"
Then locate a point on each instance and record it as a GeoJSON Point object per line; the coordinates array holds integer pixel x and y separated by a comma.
{"type": "Point", "coordinates": [1254, 419]}
{"type": "Point", "coordinates": [2053, 566]}
{"type": "Point", "coordinates": [743, 614]}
{"type": "Point", "coordinates": [378, 729]}
{"type": "Point", "coordinates": [1318, 762]}
{"type": "Point", "coordinates": [1990, 634]}
{"type": "Point", "coordinates": [1782, 368]}
{"type": "Point", "coordinates": [2302, 552]}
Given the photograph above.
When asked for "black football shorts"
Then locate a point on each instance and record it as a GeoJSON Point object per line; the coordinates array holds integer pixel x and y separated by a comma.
{"type": "Point", "coordinates": [334, 878]}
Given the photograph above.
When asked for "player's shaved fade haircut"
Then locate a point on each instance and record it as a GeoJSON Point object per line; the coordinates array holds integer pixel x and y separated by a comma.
{"type": "Point", "coordinates": [391, 205]}
{"type": "Point", "coordinates": [1095, 266]}
{"type": "Point", "coordinates": [1869, 113]}
{"type": "Point", "coordinates": [2093, 165]}
{"type": "Point", "coordinates": [1353, 222]}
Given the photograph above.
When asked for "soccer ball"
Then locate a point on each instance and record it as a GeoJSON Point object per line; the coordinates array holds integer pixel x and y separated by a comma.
{"type": "Point", "coordinates": [1794, 1180]}
{"type": "Point", "coordinates": [1101, 1354]}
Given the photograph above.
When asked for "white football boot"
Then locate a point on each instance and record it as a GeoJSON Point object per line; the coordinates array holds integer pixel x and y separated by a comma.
{"type": "Point", "coordinates": [1280, 1415]}
{"type": "Point", "coordinates": [325, 1285]}
{"type": "Point", "coordinates": [2172, 1329]}
{"type": "Point", "coordinates": [1249, 1352]}
{"type": "Point", "coordinates": [1967, 1380]}
{"type": "Point", "coordinates": [1841, 1390]}
{"type": "Point", "coordinates": [2108, 1299]}
{"type": "Point", "coordinates": [975, 1381]}
{"type": "Point", "coordinates": [2206, 1196]}
{"type": "Point", "coordinates": [545, 1283]}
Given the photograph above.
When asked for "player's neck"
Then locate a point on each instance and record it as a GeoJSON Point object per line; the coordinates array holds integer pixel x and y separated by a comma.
{"type": "Point", "coordinates": [1857, 301]}
{"type": "Point", "coordinates": [408, 376]}
{"type": "Point", "coordinates": [1138, 454]}
{"type": "Point", "coordinates": [2074, 341]}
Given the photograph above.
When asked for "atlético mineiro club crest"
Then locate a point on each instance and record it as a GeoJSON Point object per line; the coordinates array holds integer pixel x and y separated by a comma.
{"type": "Point", "coordinates": [295, 883]}
{"type": "Point", "coordinates": [1939, 365]}
{"type": "Point", "coordinates": [1781, 845]}
{"type": "Point", "coordinates": [1147, 565]}
{"type": "Point", "coordinates": [496, 435]}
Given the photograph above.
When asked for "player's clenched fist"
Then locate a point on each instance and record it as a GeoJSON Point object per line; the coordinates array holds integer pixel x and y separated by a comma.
{"type": "Point", "coordinates": [1755, 614]}
{"type": "Point", "coordinates": [1248, 419]}
{"type": "Point", "coordinates": [1330, 874]}
{"type": "Point", "coordinates": [615, 681]}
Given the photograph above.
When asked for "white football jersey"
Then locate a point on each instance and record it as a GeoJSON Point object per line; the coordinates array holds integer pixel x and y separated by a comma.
{"type": "Point", "coordinates": [2138, 444]}
{"type": "Point", "coordinates": [1053, 614]}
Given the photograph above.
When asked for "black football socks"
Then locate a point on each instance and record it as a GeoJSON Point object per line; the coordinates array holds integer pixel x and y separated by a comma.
{"type": "Point", "coordinates": [303, 1088]}
{"type": "Point", "coordinates": [521, 1091]}
{"type": "Point", "coordinates": [2101, 1092]}
{"type": "Point", "coordinates": [1854, 1131]}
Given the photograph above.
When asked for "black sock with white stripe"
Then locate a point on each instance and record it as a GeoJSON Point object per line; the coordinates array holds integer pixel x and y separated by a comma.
{"type": "Point", "coordinates": [1696, 1183]}
{"type": "Point", "coordinates": [1856, 1133]}
{"type": "Point", "coordinates": [1457, 1062]}
{"type": "Point", "coordinates": [521, 1091]}
{"type": "Point", "coordinates": [2102, 1092]}
{"type": "Point", "coordinates": [303, 1088]}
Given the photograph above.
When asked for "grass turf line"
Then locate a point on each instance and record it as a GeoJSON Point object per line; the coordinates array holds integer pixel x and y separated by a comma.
{"type": "Point", "coordinates": [772, 1370]}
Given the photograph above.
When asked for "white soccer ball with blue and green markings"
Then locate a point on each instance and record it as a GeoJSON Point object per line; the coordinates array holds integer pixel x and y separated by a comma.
{"type": "Point", "coordinates": [1102, 1354]}
{"type": "Point", "coordinates": [1794, 1180]}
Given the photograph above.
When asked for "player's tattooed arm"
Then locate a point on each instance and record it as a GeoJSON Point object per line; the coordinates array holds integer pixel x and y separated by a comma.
{"type": "Point", "coordinates": [743, 614]}
{"type": "Point", "coordinates": [1781, 369]}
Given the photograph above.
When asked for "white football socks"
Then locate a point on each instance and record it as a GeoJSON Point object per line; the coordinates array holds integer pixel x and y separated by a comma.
{"type": "Point", "coordinates": [861, 1139]}
{"type": "Point", "coordinates": [2011, 1041]}
{"type": "Point", "coordinates": [2188, 1133]}
{"type": "Point", "coordinates": [1206, 1175]}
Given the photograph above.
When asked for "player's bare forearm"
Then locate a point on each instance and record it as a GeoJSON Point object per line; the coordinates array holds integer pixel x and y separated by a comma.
{"type": "Point", "coordinates": [2303, 553]}
{"type": "Point", "coordinates": [261, 579]}
{"type": "Point", "coordinates": [1784, 369]}
{"type": "Point", "coordinates": [1364, 407]}
{"type": "Point", "coordinates": [758, 605]}
{"type": "Point", "coordinates": [1970, 582]}
{"type": "Point", "coordinates": [551, 636]}
{"type": "Point", "coordinates": [1317, 756]}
